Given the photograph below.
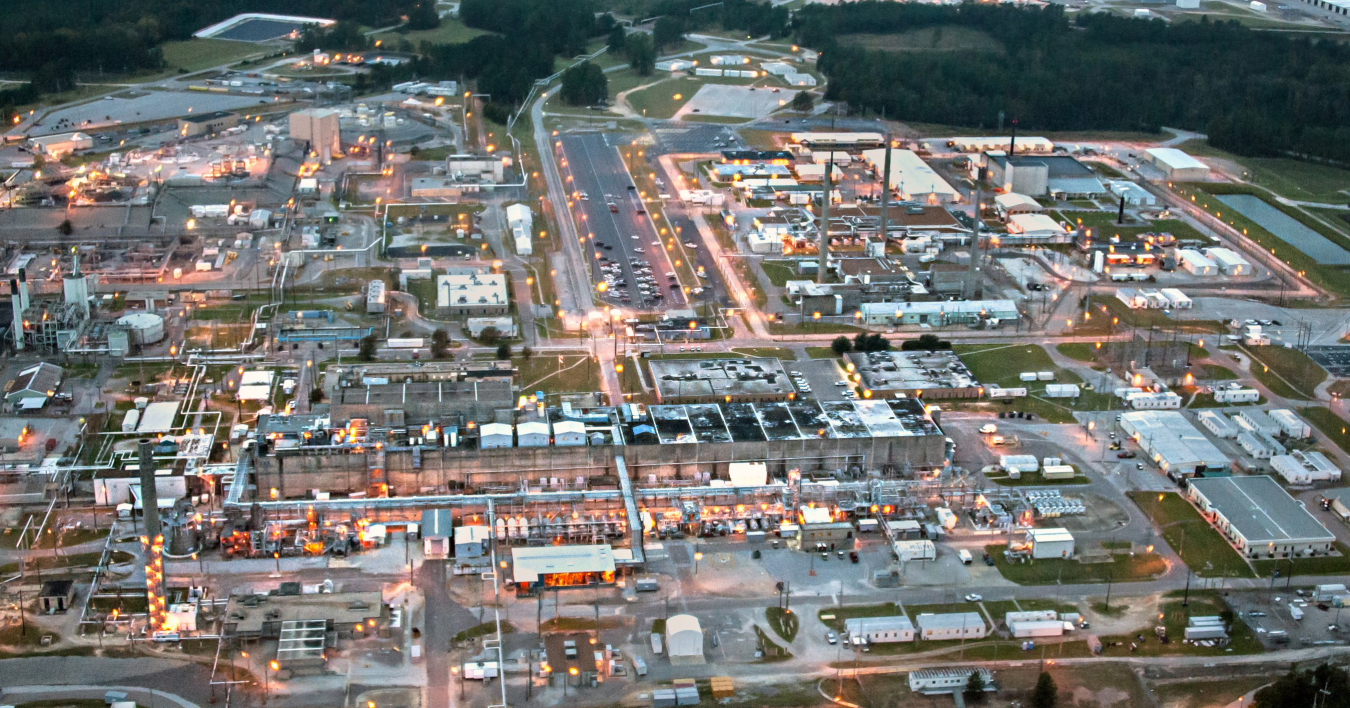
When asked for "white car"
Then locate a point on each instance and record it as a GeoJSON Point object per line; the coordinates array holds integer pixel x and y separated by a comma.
{"type": "Point", "coordinates": [989, 429]}
{"type": "Point", "coordinates": [635, 237]}
{"type": "Point", "coordinates": [974, 598]}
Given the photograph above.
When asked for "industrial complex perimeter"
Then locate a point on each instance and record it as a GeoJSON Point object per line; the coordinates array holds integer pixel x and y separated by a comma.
{"type": "Point", "coordinates": [321, 399]}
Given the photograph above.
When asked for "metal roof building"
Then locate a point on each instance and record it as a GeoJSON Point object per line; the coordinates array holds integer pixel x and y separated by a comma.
{"type": "Point", "coordinates": [951, 625]}
{"type": "Point", "coordinates": [684, 640]}
{"type": "Point", "coordinates": [1173, 443]}
{"type": "Point", "coordinates": [881, 630]}
{"type": "Point", "coordinates": [1259, 517]}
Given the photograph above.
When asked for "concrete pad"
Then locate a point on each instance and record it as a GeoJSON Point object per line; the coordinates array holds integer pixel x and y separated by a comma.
{"type": "Point", "coordinates": [733, 101]}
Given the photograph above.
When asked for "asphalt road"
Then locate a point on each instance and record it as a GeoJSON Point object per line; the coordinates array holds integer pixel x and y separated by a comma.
{"type": "Point", "coordinates": [598, 170]}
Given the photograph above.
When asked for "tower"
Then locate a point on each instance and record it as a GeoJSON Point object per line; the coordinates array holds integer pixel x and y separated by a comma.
{"type": "Point", "coordinates": [825, 222]}
{"type": "Point", "coordinates": [18, 293]}
{"type": "Point", "coordinates": [75, 288]}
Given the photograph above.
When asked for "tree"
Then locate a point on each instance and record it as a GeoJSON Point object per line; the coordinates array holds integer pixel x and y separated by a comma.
{"type": "Point", "coordinates": [584, 84]}
{"type": "Point", "coordinates": [803, 102]}
{"type": "Point", "coordinates": [669, 30]}
{"type": "Point", "coordinates": [423, 16]}
{"type": "Point", "coordinates": [315, 395]}
{"type": "Point", "coordinates": [617, 37]}
{"type": "Point", "coordinates": [1046, 693]}
{"type": "Point", "coordinates": [865, 342]}
{"type": "Point", "coordinates": [841, 345]}
{"type": "Point", "coordinates": [65, 228]}
{"type": "Point", "coordinates": [489, 336]}
{"type": "Point", "coordinates": [975, 686]}
{"type": "Point", "coordinates": [440, 343]}
{"type": "Point", "coordinates": [366, 352]}
{"type": "Point", "coordinates": [504, 351]}
{"type": "Point", "coordinates": [1297, 689]}
{"type": "Point", "coordinates": [641, 55]}
{"type": "Point", "coordinates": [925, 343]}
{"type": "Point", "coordinates": [526, 353]}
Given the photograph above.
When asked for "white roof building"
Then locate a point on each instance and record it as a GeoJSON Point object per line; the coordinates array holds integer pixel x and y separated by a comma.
{"type": "Point", "coordinates": [1034, 226]}
{"type": "Point", "coordinates": [158, 417]}
{"type": "Point", "coordinates": [495, 435]}
{"type": "Point", "coordinates": [475, 292]}
{"type": "Point", "coordinates": [1173, 443]}
{"type": "Point", "coordinates": [881, 630]}
{"type": "Point", "coordinates": [998, 142]}
{"type": "Point", "coordinates": [1196, 262]}
{"type": "Point", "coordinates": [684, 640]}
{"type": "Point", "coordinates": [1299, 467]}
{"type": "Point", "coordinates": [912, 178]}
{"type": "Point", "coordinates": [1228, 261]}
{"type": "Point", "coordinates": [532, 434]}
{"type": "Point", "coordinates": [951, 625]}
{"type": "Point", "coordinates": [1259, 517]}
{"type": "Point", "coordinates": [1290, 423]}
{"type": "Point", "coordinates": [1019, 463]}
{"type": "Point", "coordinates": [1176, 164]}
{"type": "Point", "coordinates": [1013, 203]}
{"type": "Point", "coordinates": [1134, 194]}
{"type": "Point", "coordinates": [569, 433]}
{"type": "Point", "coordinates": [1050, 543]}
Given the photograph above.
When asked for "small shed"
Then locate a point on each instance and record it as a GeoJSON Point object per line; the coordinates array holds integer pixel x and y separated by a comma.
{"type": "Point", "coordinates": [471, 541]}
{"type": "Point", "coordinates": [684, 640]}
{"type": "Point", "coordinates": [57, 596]}
{"type": "Point", "coordinates": [569, 433]}
{"type": "Point", "coordinates": [495, 435]}
{"type": "Point", "coordinates": [531, 434]}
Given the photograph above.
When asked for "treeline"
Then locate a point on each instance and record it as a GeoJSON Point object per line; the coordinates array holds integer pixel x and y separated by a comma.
{"type": "Point", "coordinates": [1254, 93]}
{"type": "Point", "coordinates": [676, 17]}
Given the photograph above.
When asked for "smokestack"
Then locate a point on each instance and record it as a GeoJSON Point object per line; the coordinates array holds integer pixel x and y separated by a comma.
{"type": "Point", "coordinates": [825, 221]}
{"type": "Point", "coordinates": [18, 298]}
{"type": "Point", "coordinates": [973, 274]}
{"type": "Point", "coordinates": [1012, 142]}
{"type": "Point", "coordinates": [149, 494]}
{"type": "Point", "coordinates": [885, 195]}
{"type": "Point", "coordinates": [1120, 214]}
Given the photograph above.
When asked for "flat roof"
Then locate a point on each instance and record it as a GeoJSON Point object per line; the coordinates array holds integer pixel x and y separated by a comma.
{"type": "Point", "coordinates": [1260, 509]}
{"type": "Point", "coordinates": [859, 625]}
{"type": "Point", "coordinates": [916, 370]}
{"type": "Point", "coordinates": [1173, 438]}
{"type": "Point", "coordinates": [528, 564]}
{"type": "Point", "coordinates": [1176, 159]}
{"type": "Point", "coordinates": [951, 620]}
{"type": "Point", "coordinates": [909, 173]}
{"type": "Point", "coordinates": [248, 613]}
{"type": "Point", "coordinates": [713, 378]}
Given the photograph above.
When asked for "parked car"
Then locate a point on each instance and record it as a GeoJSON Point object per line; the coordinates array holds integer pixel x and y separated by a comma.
{"type": "Point", "coordinates": [974, 597]}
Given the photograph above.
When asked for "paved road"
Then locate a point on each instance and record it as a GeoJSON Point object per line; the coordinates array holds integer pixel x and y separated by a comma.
{"type": "Point", "coordinates": [174, 683]}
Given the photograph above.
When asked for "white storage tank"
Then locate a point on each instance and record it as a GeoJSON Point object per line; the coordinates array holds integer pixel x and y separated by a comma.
{"type": "Point", "coordinates": [144, 327]}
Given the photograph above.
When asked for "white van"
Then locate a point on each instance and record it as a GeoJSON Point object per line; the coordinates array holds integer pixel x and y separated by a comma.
{"type": "Point", "coordinates": [965, 556]}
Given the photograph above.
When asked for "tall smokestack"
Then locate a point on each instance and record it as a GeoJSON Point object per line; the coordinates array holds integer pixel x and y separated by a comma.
{"type": "Point", "coordinates": [18, 291]}
{"type": "Point", "coordinates": [149, 494]}
{"type": "Point", "coordinates": [1012, 142]}
{"type": "Point", "coordinates": [972, 284]}
{"type": "Point", "coordinates": [825, 221]}
{"type": "Point", "coordinates": [886, 195]}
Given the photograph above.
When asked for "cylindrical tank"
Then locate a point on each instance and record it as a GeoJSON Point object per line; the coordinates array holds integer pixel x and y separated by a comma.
{"type": "Point", "coordinates": [144, 327]}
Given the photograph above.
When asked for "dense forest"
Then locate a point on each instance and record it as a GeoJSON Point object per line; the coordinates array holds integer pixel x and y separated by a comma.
{"type": "Point", "coordinates": [1254, 93]}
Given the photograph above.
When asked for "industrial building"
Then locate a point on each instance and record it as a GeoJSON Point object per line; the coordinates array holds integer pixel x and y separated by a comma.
{"type": "Point", "coordinates": [684, 641]}
{"type": "Point", "coordinates": [758, 379]}
{"type": "Point", "coordinates": [194, 125]}
{"type": "Point", "coordinates": [1050, 543]}
{"type": "Point", "coordinates": [258, 616]}
{"type": "Point", "coordinates": [839, 141]}
{"type": "Point", "coordinates": [940, 313]}
{"type": "Point", "coordinates": [534, 569]}
{"type": "Point", "coordinates": [1031, 228]}
{"type": "Point", "coordinates": [911, 177]}
{"type": "Point", "coordinates": [1229, 262]}
{"type": "Point", "coordinates": [1259, 517]}
{"type": "Point", "coordinates": [951, 625]}
{"type": "Point", "coordinates": [880, 630]}
{"type": "Point", "coordinates": [1196, 262]}
{"type": "Point", "coordinates": [58, 146]}
{"type": "Point", "coordinates": [1290, 423]}
{"type": "Point", "coordinates": [1133, 194]}
{"type": "Point", "coordinates": [33, 387]}
{"type": "Point", "coordinates": [1173, 443]}
{"type": "Point", "coordinates": [520, 220]}
{"type": "Point", "coordinates": [1018, 145]}
{"type": "Point", "coordinates": [1305, 467]}
{"type": "Point", "coordinates": [1217, 423]}
{"type": "Point", "coordinates": [375, 298]}
{"type": "Point", "coordinates": [472, 294]}
{"type": "Point", "coordinates": [1012, 203]}
{"type": "Point", "coordinates": [1177, 165]}
{"type": "Point", "coordinates": [505, 326]}
{"type": "Point", "coordinates": [937, 374]}
{"type": "Point", "coordinates": [1042, 175]}
{"type": "Point", "coordinates": [321, 129]}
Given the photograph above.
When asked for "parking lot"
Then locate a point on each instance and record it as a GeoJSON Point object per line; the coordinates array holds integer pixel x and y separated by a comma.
{"type": "Point", "coordinates": [696, 139]}
{"type": "Point", "coordinates": [1269, 614]}
{"type": "Point", "coordinates": [819, 376]}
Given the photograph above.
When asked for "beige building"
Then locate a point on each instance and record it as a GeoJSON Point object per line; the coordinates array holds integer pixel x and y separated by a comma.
{"type": "Point", "coordinates": [319, 127]}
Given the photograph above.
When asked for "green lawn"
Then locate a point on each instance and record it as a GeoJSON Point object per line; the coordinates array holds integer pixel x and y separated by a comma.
{"type": "Point", "coordinates": [784, 623]}
{"type": "Point", "coordinates": [1319, 565]}
{"type": "Point", "coordinates": [1175, 618]}
{"type": "Point", "coordinates": [821, 353]}
{"type": "Point", "coordinates": [659, 100]}
{"type": "Point", "coordinates": [774, 352]}
{"type": "Point", "coordinates": [1001, 363]}
{"type": "Point", "coordinates": [1111, 307]}
{"type": "Point", "coordinates": [1103, 225]}
{"type": "Point", "coordinates": [483, 630]}
{"type": "Point", "coordinates": [1295, 179]}
{"type": "Point", "coordinates": [541, 373]}
{"type": "Point", "coordinates": [812, 327]}
{"type": "Point", "coordinates": [451, 31]}
{"type": "Point", "coordinates": [1200, 545]}
{"type": "Point", "coordinates": [1078, 351]}
{"type": "Point", "coordinates": [1035, 479]}
{"type": "Point", "coordinates": [203, 53]}
{"type": "Point", "coordinates": [1331, 425]}
{"type": "Point", "coordinates": [1124, 568]}
{"type": "Point", "coordinates": [1215, 372]}
{"type": "Point", "coordinates": [834, 617]}
{"type": "Point", "coordinates": [1277, 366]}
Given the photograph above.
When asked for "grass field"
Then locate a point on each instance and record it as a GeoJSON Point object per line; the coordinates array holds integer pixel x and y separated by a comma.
{"type": "Point", "coordinates": [1103, 224]}
{"type": "Point", "coordinates": [1304, 181]}
{"type": "Point", "coordinates": [1123, 568]}
{"type": "Point", "coordinates": [1078, 351]}
{"type": "Point", "coordinates": [541, 373]}
{"type": "Point", "coordinates": [1001, 364]}
{"type": "Point", "coordinates": [776, 352]}
{"type": "Point", "coordinates": [659, 100]}
{"type": "Point", "coordinates": [1319, 565]}
{"type": "Point", "coordinates": [1331, 425]}
{"type": "Point", "coordinates": [200, 53]}
{"type": "Point", "coordinates": [1175, 617]}
{"type": "Point", "coordinates": [1112, 307]}
{"type": "Point", "coordinates": [811, 327]}
{"type": "Point", "coordinates": [1200, 545]}
{"type": "Point", "coordinates": [784, 623]}
{"type": "Point", "coordinates": [821, 353]}
{"type": "Point", "coordinates": [1035, 479]}
{"type": "Point", "coordinates": [1281, 365]}
{"type": "Point", "coordinates": [451, 31]}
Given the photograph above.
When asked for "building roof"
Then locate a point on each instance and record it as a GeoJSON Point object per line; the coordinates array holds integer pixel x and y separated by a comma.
{"type": "Point", "coordinates": [42, 378]}
{"type": "Point", "coordinates": [1033, 224]}
{"type": "Point", "coordinates": [1057, 166]}
{"type": "Point", "coordinates": [205, 117]}
{"type": "Point", "coordinates": [1260, 510]}
{"type": "Point", "coordinates": [950, 620]}
{"type": "Point", "coordinates": [436, 523]}
{"type": "Point", "coordinates": [246, 614]}
{"type": "Point", "coordinates": [910, 174]}
{"type": "Point", "coordinates": [528, 564]}
{"type": "Point", "coordinates": [863, 625]}
{"type": "Point", "coordinates": [1013, 200]}
{"type": "Point", "coordinates": [716, 378]}
{"type": "Point", "coordinates": [1167, 434]}
{"type": "Point", "coordinates": [470, 289]}
{"type": "Point", "coordinates": [684, 636]}
{"type": "Point", "coordinates": [1175, 159]}
{"type": "Point", "coordinates": [1049, 535]}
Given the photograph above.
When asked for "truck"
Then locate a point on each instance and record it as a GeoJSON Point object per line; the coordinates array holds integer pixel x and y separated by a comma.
{"type": "Point", "coordinates": [1296, 612]}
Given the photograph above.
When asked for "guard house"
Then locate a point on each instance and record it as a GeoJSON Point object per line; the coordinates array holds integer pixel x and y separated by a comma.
{"type": "Point", "coordinates": [57, 596]}
{"type": "Point", "coordinates": [535, 569]}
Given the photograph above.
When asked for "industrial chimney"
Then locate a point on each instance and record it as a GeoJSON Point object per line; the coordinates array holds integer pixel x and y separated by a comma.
{"type": "Point", "coordinates": [149, 494]}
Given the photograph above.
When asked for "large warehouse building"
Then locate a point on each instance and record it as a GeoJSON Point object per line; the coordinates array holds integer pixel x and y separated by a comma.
{"type": "Point", "coordinates": [1177, 165]}
{"type": "Point", "coordinates": [912, 178]}
{"type": "Point", "coordinates": [1173, 443]}
{"type": "Point", "coordinates": [1259, 517]}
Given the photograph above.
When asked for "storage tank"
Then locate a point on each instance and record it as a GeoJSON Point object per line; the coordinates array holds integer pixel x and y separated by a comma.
{"type": "Point", "coordinates": [144, 327]}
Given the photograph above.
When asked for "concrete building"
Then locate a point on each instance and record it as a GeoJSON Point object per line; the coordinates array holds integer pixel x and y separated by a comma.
{"type": "Point", "coordinates": [1042, 175]}
{"type": "Point", "coordinates": [1177, 165]}
{"type": "Point", "coordinates": [880, 630]}
{"type": "Point", "coordinates": [520, 220]}
{"type": "Point", "coordinates": [947, 680]}
{"type": "Point", "coordinates": [684, 641]}
{"type": "Point", "coordinates": [911, 177]}
{"type": "Point", "coordinates": [319, 127]}
{"type": "Point", "coordinates": [537, 568]}
{"type": "Point", "coordinates": [375, 297]}
{"type": "Point", "coordinates": [505, 326]}
{"type": "Point", "coordinates": [951, 625]}
{"type": "Point", "coordinates": [1050, 543]}
{"type": "Point", "coordinates": [1300, 467]}
{"type": "Point", "coordinates": [471, 542]}
{"type": "Point", "coordinates": [711, 380]}
{"type": "Point", "coordinates": [1173, 443]}
{"type": "Point", "coordinates": [472, 294]}
{"type": "Point", "coordinates": [1217, 423]}
{"type": "Point", "coordinates": [939, 374]}
{"type": "Point", "coordinates": [193, 125]}
{"type": "Point", "coordinates": [1026, 228]}
{"type": "Point", "coordinates": [474, 168]}
{"type": "Point", "coordinates": [1012, 203]}
{"type": "Point", "coordinates": [437, 530]}
{"type": "Point", "coordinates": [1259, 517]}
{"type": "Point", "coordinates": [495, 435]}
{"type": "Point", "coordinates": [1133, 194]}
{"type": "Point", "coordinates": [58, 146]}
